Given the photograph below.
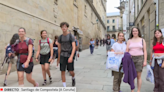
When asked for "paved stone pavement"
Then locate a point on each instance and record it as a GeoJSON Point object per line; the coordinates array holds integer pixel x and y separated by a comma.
{"type": "Point", "coordinates": [91, 75]}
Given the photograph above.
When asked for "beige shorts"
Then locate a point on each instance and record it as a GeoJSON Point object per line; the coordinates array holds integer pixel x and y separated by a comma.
{"type": "Point", "coordinates": [13, 60]}
{"type": "Point", "coordinates": [138, 62]}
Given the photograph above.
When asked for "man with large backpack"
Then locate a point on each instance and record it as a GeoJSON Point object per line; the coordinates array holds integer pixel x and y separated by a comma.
{"type": "Point", "coordinates": [66, 51]}
{"type": "Point", "coordinates": [77, 48]}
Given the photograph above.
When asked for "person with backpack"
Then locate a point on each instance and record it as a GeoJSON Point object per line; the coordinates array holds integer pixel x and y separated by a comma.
{"type": "Point", "coordinates": [24, 50]}
{"type": "Point", "coordinates": [66, 51]}
{"type": "Point", "coordinates": [55, 48]}
{"type": "Point", "coordinates": [45, 49]}
{"type": "Point", "coordinates": [136, 46]}
{"type": "Point", "coordinates": [11, 58]}
{"type": "Point", "coordinates": [77, 48]}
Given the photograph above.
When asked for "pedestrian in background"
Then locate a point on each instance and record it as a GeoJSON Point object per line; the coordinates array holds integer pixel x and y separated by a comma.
{"type": "Point", "coordinates": [91, 45]}
{"type": "Point", "coordinates": [97, 43]}
{"type": "Point", "coordinates": [45, 50]}
{"type": "Point", "coordinates": [108, 43]}
{"type": "Point", "coordinates": [55, 49]}
{"type": "Point", "coordinates": [136, 46]}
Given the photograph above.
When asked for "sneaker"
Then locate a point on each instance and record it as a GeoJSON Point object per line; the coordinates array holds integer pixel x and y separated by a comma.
{"type": "Point", "coordinates": [44, 83]}
{"type": "Point", "coordinates": [50, 80]}
{"type": "Point", "coordinates": [37, 84]}
{"type": "Point", "coordinates": [73, 82]}
{"type": "Point", "coordinates": [4, 84]}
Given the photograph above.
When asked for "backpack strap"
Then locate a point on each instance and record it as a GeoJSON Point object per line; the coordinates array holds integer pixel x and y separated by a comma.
{"type": "Point", "coordinates": [27, 41]}
{"type": "Point", "coordinates": [48, 41]}
{"type": "Point", "coordinates": [39, 42]}
{"type": "Point", "coordinates": [60, 38]}
{"type": "Point", "coordinates": [70, 38]}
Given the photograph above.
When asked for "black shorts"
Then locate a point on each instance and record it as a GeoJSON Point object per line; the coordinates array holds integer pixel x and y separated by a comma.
{"type": "Point", "coordinates": [26, 70]}
{"type": "Point", "coordinates": [55, 54]}
{"type": "Point", "coordinates": [44, 59]}
{"type": "Point", "coordinates": [64, 63]}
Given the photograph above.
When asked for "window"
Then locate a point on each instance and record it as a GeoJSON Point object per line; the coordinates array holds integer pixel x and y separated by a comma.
{"type": "Point", "coordinates": [113, 21]}
{"type": "Point", "coordinates": [108, 28]}
{"type": "Point", "coordinates": [141, 1]}
{"type": "Point", "coordinates": [107, 21]}
{"type": "Point", "coordinates": [56, 2]}
{"type": "Point", "coordinates": [85, 8]}
{"type": "Point", "coordinates": [114, 28]}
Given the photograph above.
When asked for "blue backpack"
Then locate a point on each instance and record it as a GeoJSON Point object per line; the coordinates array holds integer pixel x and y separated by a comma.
{"type": "Point", "coordinates": [9, 50]}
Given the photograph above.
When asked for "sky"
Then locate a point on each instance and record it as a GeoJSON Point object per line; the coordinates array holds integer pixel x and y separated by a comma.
{"type": "Point", "coordinates": [111, 4]}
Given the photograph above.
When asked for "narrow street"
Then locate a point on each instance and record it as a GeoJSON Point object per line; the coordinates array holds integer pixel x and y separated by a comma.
{"type": "Point", "coordinates": [91, 75]}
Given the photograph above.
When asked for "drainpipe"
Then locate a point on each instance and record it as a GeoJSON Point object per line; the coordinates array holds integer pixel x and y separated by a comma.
{"type": "Point", "coordinates": [134, 11]}
{"type": "Point", "coordinates": [157, 14]}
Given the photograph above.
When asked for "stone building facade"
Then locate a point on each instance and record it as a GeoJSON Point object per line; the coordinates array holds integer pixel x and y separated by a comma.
{"type": "Point", "coordinates": [145, 20]}
{"type": "Point", "coordinates": [114, 24]}
{"type": "Point", "coordinates": [36, 15]}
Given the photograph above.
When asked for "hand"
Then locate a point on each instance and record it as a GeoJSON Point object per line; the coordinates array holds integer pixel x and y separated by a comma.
{"type": "Point", "coordinates": [70, 60]}
{"type": "Point", "coordinates": [162, 65]}
{"type": "Point", "coordinates": [150, 63]}
{"type": "Point", "coordinates": [37, 60]}
{"type": "Point", "coordinates": [58, 60]}
{"type": "Point", "coordinates": [50, 60]}
{"type": "Point", "coordinates": [9, 54]}
{"type": "Point", "coordinates": [26, 64]}
{"type": "Point", "coordinates": [144, 64]}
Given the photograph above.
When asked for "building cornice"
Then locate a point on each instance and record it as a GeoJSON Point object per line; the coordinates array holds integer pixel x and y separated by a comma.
{"type": "Point", "coordinates": [95, 11]}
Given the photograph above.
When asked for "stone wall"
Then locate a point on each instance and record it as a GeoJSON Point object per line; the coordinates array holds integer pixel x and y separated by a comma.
{"type": "Point", "coordinates": [161, 14]}
{"type": "Point", "coordinates": [146, 23]}
{"type": "Point", "coordinates": [36, 15]}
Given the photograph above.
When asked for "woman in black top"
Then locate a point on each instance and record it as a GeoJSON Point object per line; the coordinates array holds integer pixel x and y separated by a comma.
{"type": "Point", "coordinates": [55, 48]}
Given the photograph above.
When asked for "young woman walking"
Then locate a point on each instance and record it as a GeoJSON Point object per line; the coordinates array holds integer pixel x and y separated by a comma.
{"type": "Point", "coordinates": [10, 54]}
{"type": "Point", "coordinates": [24, 49]}
{"type": "Point", "coordinates": [55, 48]}
{"type": "Point", "coordinates": [136, 46]}
{"type": "Point", "coordinates": [45, 49]}
{"type": "Point", "coordinates": [119, 48]}
{"type": "Point", "coordinates": [158, 68]}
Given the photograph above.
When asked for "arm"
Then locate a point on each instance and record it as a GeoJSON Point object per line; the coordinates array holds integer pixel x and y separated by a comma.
{"type": "Point", "coordinates": [145, 53]}
{"type": "Point", "coordinates": [51, 50]}
{"type": "Point", "coordinates": [127, 46]}
{"type": "Point", "coordinates": [29, 53]}
{"type": "Point", "coordinates": [151, 54]}
{"type": "Point", "coordinates": [37, 54]}
{"type": "Point", "coordinates": [73, 49]}
{"type": "Point", "coordinates": [59, 51]}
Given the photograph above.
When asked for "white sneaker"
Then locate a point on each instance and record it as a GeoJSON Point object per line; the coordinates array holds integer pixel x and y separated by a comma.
{"type": "Point", "coordinates": [37, 84]}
